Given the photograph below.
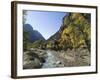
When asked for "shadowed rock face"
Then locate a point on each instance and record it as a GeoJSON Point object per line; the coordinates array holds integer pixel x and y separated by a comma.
{"type": "Point", "coordinates": [33, 35]}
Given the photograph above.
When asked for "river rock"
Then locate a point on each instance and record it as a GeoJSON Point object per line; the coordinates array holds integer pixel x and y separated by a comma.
{"type": "Point", "coordinates": [32, 60]}
{"type": "Point", "coordinates": [32, 64]}
{"type": "Point", "coordinates": [58, 62]}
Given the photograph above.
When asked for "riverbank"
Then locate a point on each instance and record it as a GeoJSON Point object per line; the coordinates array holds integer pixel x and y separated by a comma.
{"type": "Point", "coordinates": [51, 59]}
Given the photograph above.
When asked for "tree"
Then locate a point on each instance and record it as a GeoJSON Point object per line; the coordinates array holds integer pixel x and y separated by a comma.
{"type": "Point", "coordinates": [25, 33]}
{"type": "Point", "coordinates": [77, 30]}
{"type": "Point", "coordinates": [25, 40]}
{"type": "Point", "coordinates": [24, 16]}
{"type": "Point", "coordinates": [83, 25]}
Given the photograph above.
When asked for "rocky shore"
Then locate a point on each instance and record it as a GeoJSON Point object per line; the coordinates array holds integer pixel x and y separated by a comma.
{"type": "Point", "coordinates": [36, 58]}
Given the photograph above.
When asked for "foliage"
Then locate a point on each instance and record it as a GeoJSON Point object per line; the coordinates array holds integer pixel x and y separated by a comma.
{"type": "Point", "coordinates": [75, 32]}
{"type": "Point", "coordinates": [25, 33]}
{"type": "Point", "coordinates": [49, 45]}
{"type": "Point", "coordinates": [25, 40]}
{"type": "Point", "coordinates": [38, 44]}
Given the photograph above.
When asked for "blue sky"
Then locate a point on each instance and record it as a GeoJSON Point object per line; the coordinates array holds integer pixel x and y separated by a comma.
{"type": "Point", "coordinates": [47, 23]}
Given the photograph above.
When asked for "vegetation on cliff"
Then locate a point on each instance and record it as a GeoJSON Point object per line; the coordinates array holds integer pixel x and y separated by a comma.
{"type": "Point", "coordinates": [75, 32]}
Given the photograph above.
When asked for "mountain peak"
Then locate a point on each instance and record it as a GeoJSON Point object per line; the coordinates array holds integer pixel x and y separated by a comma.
{"type": "Point", "coordinates": [27, 27]}
{"type": "Point", "coordinates": [33, 35]}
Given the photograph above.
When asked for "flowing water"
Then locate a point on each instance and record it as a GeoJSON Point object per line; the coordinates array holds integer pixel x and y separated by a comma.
{"type": "Point", "coordinates": [51, 61]}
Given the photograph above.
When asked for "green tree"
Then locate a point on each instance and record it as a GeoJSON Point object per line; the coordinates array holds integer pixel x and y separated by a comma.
{"type": "Point", "coordinates": [38, 44]}
{"type": "Point", "coordinates": [25, 40]}
{"type": "Point", "coordinates": [77, 30]}
{"type": "Point", "coordinates": [25, 33]}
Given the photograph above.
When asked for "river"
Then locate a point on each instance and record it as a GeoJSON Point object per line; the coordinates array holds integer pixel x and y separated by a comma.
{"type": "Point", "coordinates": [51, 61]}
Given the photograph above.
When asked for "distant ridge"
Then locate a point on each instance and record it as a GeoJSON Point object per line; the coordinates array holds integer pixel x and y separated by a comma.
{"type": "Point", "coordinates": [33, 35]}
